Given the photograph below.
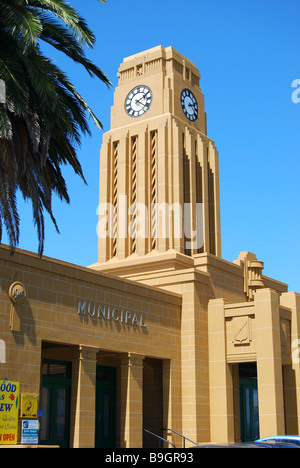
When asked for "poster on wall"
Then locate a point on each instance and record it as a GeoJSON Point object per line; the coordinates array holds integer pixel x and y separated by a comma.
{"type": "Point", "coordinates": [29, 406]}
{"type": "Point", "coordinates": [30, 432]}
{"type": "Point", "coordinates": [9, 412]}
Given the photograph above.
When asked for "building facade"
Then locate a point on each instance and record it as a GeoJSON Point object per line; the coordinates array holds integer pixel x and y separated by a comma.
{"type": "Point", "coordinates": [161, 332]}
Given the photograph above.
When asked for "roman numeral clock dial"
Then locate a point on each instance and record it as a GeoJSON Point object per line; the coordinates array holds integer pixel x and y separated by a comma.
{"type": "Point", "coordinates": [138, 101]}
{"type": "Point", "coordinates": [189, 105]}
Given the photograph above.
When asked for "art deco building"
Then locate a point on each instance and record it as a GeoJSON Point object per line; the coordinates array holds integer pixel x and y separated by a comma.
{"type": "Point", "coordinates": [161, 334]}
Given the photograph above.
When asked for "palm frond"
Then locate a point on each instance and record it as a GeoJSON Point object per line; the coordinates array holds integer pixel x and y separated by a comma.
{"type": "Point", "coordinates": [69, 16]}
{"type": "Point", "coordinates": [44, 116]}
{"type": "Point", "coordinates": [61, 39]}
{"type": "Point", "coordinates": [5, 123]}
{"type": "Point", "coordinates": [16, 89]}
{"type": "Point", "coordinates": [22, 23]}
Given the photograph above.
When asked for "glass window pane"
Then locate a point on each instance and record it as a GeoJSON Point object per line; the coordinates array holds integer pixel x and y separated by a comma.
{"type": "Point", "coordinates": [255, 414]}
{"type": "Point", "coordinates": [106, 415]}
{"type": "Point", "coordinates": [45, 419]}
{"type": "Point", "coordinates": [248, 413]}
{"type": "Point", "coordinates": [61, 414]}
{"type": "Point", "coordinates": [55, 370]}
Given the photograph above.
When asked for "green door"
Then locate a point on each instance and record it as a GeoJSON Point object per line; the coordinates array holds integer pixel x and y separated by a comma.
{"type": "Point", "coordinates": [105, 407]}
{"type": "Point", "coordinates": [249, 409]}
{"type": "Point", "coordinates": [55, 403]}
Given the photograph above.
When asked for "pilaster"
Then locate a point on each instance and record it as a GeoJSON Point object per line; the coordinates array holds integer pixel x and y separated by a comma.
{"type": "Point", "coordinates": [131, 417]}
{"type": "Point", "coordinates": [292, 371]}
{"type": "Point", "coordinates": [220, 376]}
{"type": "Point", "coordinates": [269, 363]}
{"type": "Point", "coordinates": [83, 397]}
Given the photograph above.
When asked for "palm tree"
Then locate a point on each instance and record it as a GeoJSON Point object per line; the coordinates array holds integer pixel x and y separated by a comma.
{"type": "Point", "coordinates": [43, 116]}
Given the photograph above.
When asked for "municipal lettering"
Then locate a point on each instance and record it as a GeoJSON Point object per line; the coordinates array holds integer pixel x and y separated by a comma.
{"type": "Point", "coordinates": [110, 313]}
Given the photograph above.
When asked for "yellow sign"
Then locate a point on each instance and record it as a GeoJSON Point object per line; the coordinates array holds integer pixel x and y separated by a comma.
{"type": "Point", "coordinates": [9, 412]}
{"type": "Point", "coordinates": [29, 406]}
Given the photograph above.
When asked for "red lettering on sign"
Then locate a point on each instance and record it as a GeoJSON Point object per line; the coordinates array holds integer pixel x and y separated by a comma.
{"type": "Point", "coordinates": [10, 437]}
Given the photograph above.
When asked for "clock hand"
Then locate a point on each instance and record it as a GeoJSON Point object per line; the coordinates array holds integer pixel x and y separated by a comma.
{"type": "Point", "coordinates": [138, 101]}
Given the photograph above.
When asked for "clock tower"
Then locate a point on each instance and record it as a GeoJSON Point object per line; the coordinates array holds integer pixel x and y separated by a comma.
{"type": "Point", "coordinates": [159, 180]}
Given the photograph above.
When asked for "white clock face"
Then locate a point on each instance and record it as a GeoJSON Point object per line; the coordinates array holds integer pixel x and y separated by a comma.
{"type": "Point", "coordinates": [189, 105]}
{"type": "Point", "coordinates": [138, 101]}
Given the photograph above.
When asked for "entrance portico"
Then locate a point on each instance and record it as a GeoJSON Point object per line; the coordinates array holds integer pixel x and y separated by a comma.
{"type": "Point", "coordinates": [86, 419]}
{"type": "Point", "coordinates": [259, 331]}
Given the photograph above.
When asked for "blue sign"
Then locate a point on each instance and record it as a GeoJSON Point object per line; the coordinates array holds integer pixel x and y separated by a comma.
{"type": "Point", "coordinates": [30, 432]}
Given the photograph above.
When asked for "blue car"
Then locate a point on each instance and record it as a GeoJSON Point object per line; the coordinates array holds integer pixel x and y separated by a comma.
{"type": "Point", "coordinates": [284, 439]}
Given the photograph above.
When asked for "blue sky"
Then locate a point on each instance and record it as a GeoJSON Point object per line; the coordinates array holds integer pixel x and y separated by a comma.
{"type": "Point", "coordinates": [248, 55]}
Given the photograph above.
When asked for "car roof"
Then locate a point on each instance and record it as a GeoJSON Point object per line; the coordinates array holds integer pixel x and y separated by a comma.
{"type": "Point", "coordinates": [290, 437]}
{"type": "Point", "coordinates": [231, 445]}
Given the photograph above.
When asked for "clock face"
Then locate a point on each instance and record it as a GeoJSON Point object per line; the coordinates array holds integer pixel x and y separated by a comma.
{"type": "Point", "coordinates": [189, 105]}
{"type": "Point", "coordinates": [138, 101]}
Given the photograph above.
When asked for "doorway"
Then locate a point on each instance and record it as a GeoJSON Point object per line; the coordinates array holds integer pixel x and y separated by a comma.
{"type": "Point", "coordinates": [249, 402]}
{"type": "Point", "coordinates": [55, 403]}
{"type": "Point", "coordinates": [152, 402]}
{"type": "Point", "coordinates": [105, 407]}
